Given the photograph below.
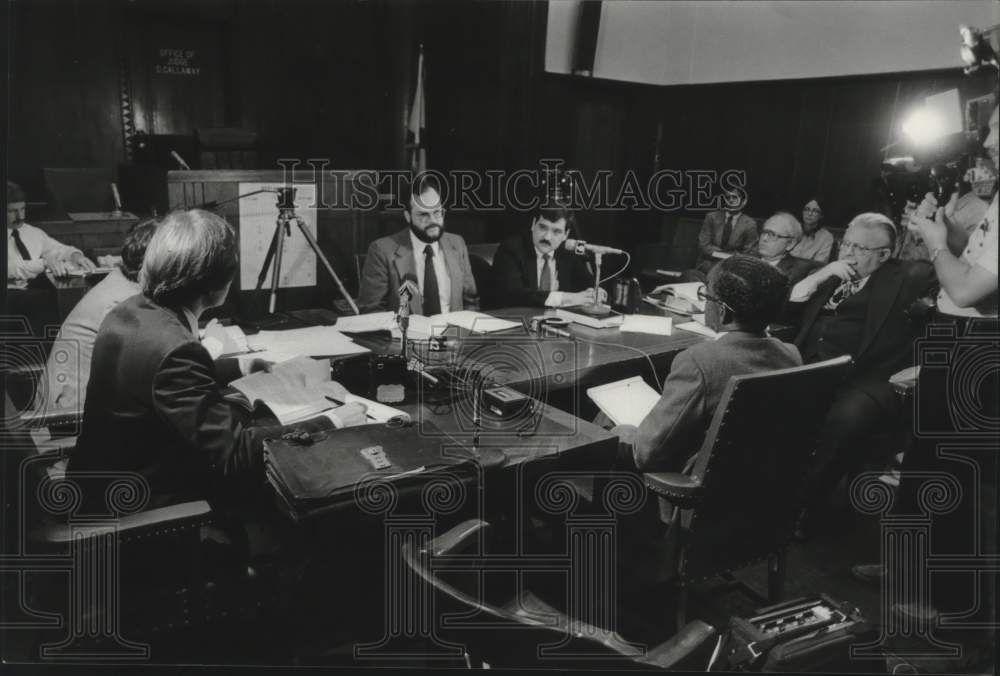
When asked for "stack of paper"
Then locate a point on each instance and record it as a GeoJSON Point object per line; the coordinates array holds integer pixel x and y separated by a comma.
{"type": "Point", "coordinates": [294, 390]}
{"type": "Point", "coordinates": [593, 322]}
{"type": "Point", "coordinates": [660, 326]}
{"type": "Point", "coordinates": [312, 341]}
{"type": "Point", "coordinates": [373, 321]}
{"type": "Point", "coordinates": [477, 322]}
{"type": "Point", "coordinates": [695, 327]}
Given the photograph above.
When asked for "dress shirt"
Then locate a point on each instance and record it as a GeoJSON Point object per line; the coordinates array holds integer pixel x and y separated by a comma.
{"type": "Point", "coordinates": [440, 270]}
{"type": "Point", "coordinates": [555, 297]}
{"type": "Point", "coordinates": [40, 246]}
{"type": "Point", "coordinates": [980, 250]}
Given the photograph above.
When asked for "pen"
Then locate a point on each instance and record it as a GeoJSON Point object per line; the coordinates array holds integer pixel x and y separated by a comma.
{"type": "Point", "coordinates": [336, 401]}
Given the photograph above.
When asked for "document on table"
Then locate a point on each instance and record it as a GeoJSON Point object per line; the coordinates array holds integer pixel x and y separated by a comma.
{"type": "Point", "coordinates": [659, 326]}
{"type": "Point", "coordinates": [373, 321]}
{"type": "Point", "coordinates": [294, 390]}
{"type": "Point", "coordinates": [477, 322]}
{"type": "Point", "coordinates": [695, 327]}
{"type": "Point", "coordinates": [626, 402]}
{"type": "Point", "coordinates": [312, 341]}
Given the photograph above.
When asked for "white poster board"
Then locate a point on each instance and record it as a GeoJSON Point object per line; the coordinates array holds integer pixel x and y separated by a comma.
{"type": "Point", "coordinates": [258, 218]}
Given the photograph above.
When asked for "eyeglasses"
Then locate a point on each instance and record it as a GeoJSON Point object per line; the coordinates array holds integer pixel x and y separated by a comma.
{"type": "Point", "coordinates": [703, 295]}
{"type": "Point", "coordinates": [812, 210]}
{"type": "Point", "coordinates": [854, 247]}
{"type": "Point", "coordinates": [428, 216]}
{"type": "Point", "coordinates": [771, 234]}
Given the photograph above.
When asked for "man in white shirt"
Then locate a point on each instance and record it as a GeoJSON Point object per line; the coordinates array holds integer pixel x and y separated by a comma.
{"type": "Point", "coordinates": [30, 251]}
{"type": "Point", "coordinates": [431, 263]}
{"type": "Point", "coordinates": [533, 269]}
{"type": "Point", "coordinates": [68, 367]}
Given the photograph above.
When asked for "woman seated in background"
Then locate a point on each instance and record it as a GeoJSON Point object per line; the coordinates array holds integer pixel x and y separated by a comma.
{"type": "Point", "coordinates": [154, 403]}
{"type": "Point", "coordinates": [817, 242]}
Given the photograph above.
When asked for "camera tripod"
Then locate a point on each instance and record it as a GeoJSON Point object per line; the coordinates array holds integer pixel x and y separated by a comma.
{"type": "Point", "coordinates": [283, 229]}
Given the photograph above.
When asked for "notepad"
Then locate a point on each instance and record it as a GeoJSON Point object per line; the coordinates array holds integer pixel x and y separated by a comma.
{"type": "Point", "coordinates": [626, 402]}
{"type": "Point", "coordinates": [660, 326]}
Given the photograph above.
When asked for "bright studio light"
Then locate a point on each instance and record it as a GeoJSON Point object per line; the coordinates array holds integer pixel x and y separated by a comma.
{"type": "Point", "coordinates": [923, 126]}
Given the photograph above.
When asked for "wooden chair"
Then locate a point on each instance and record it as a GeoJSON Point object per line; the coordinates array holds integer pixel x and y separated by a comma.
{"type": "Point", "coordinates": [512, 627]}
{"type": "Point", "coordinates": [739, 502]}
{"type": "Point", "coordinates": [165, 587]}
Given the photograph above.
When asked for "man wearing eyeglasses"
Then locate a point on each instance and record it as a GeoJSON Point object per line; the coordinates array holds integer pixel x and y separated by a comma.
{"type": "Point", "coordinates": [778, 237]}
{"type": "Point", "coordinates": [431, 264]}
{"type": "Point", "coordinates": [858, 305]}
{"type": "Point", "coordinates": [744, 296]}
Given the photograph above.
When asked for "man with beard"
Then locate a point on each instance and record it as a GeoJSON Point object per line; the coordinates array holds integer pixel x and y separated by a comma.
{"type": "Point", "coordinates": [432, 263]}
{"type": "Point", "coordinates": [534, 269]}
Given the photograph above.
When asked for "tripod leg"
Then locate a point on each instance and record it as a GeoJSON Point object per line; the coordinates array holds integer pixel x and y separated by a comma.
{"type": "Point", "coordinates": [329, 268]}
{"type": "Point", "coordinates": [267, 259]}
{"type": "Point", "coordinates": [279, 250]}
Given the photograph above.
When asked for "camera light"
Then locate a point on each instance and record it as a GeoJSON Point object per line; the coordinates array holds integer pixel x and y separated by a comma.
{"type": "Point", "coordinates": [923, 126]}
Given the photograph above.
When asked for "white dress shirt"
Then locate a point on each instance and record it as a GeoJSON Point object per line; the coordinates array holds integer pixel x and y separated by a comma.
{"type": "Point", "coordinates": [440, 270]}
{"type": "Point", "coordinates": [981, 251]}
{"type": "Point", "coordinates": [555, 297]}
{"type": "Point", "coordinates": [39, 245]}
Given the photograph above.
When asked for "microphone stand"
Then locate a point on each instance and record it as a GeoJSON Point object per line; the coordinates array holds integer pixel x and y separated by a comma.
{"type": "Point", "coordinates": [403, 315]}
{"type": "Point", "coordinates": [597, 308]}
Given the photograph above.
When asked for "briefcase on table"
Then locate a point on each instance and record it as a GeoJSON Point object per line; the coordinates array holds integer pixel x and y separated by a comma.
{"type": "Point", "coordinates": [320, 474]}
{"type": "Point", "coordinates": [813, 634]}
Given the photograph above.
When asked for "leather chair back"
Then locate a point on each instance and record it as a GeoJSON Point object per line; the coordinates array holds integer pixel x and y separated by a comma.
{"type": "Point", "coordinates": [752, 466]}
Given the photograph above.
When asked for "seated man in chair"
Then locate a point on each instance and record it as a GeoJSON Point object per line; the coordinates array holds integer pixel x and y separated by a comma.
{"type": "Point", "coordinates": [858, 305]}
{"type": "Point", "coordinates": [534, 269]}
{"type": "Point", "coordinates": [744, 296]}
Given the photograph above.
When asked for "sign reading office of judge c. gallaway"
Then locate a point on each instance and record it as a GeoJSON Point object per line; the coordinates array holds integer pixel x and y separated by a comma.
{"type": "Point", "coordinates": [177, 62]}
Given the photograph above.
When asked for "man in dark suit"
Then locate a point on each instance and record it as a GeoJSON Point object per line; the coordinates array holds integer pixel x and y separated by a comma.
{"type": "Point", "coordinates": [778, 236]}
{"type": "Point", "coordinates": [744, 296]}
{"type": "Point", "coordinates": [534, 269]}
{"type": "Point", "coordinates": [726, 231]}
{"type": "Point", "coordinates": [432, 264]}
{"type": "Point", "coordinates": [858, 305]}
{"type": "Point", "coordinates": [154, 403]}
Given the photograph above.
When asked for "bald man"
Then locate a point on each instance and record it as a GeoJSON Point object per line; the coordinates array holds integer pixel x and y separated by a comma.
{"type": "Point", "coordinates": [778, 236]}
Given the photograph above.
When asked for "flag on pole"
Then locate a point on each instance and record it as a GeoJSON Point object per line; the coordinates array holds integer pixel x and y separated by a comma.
{"type": "Point", "coordinates": [415, 125]}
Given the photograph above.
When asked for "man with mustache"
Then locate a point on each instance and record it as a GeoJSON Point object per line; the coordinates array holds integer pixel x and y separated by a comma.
{"type": "Point", "coordinates": [432, 263]}
{"type": "Point", "coordinates": [534, 269]}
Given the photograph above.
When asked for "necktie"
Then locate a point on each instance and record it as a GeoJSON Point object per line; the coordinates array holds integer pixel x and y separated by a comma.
{"type": "Point", "coordinates": [842, 293]}
{"type": "Point", "coordinates": [545, 281]}
{"type": "Point", "coordinates": [21, 249]}
{"type": "Point", "coordinates": [432, 297]}
{"type": "Point", "coordinates": [727, 231]}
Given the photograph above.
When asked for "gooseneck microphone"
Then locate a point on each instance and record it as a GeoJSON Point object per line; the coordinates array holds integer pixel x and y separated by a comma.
{"type": "Point", "coordinates": [580, 247]}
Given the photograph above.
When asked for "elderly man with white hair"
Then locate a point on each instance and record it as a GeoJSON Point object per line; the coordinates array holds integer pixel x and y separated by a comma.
{"type": "Point", "coordinates": [858, 305]}
{"type": "Point", "coordinates": [778, 237]}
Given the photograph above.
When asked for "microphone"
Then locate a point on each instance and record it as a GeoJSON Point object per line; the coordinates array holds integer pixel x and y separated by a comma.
{"type": "Point", "coordinates": [579, 247]}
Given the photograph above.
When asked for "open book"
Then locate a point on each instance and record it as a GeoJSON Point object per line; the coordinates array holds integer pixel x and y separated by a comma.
{"type": "Point", "coordinates": [626, 402]}
{"type": "Point", "coordinates": [301, 388]}
{"type": "Point", "coordinates": [477, 322]}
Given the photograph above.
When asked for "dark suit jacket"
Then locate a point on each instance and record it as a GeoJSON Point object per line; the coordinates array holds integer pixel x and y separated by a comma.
{"type": "Point", "coordinates": [676, 427]}
{"type": "Point", "coordinates": [390, 260]}
{"type": "Point", "coordinates": [515, 272]}
{"type": "Point", "coordinates": [155, 407]}
{"type": "Point", "coordinates": [887, 339]}
{"type": "Point", "coordinates": [796, 269]}
{"type": "Point", "coordinates": [743, 239]}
